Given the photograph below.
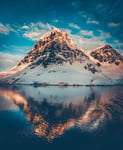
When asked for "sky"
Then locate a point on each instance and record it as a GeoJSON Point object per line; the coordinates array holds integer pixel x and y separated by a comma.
{"type": "Point", "coordinates": [90, 23]}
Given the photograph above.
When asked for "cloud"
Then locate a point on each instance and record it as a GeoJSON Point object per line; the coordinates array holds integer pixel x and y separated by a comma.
{"type": "Point", "coordinates": [6, 29]}
{"type": "Point", "coordinates": [92, 22]}
{"type": "Point", "coordinates": [83, 40]}
{"type": "Point", "coordinates": [25, 27]}
{"type": "Point", "coordinates": [32, 35]}
{"type": "Point", "coordinates": [86, 32]}
{"type": "Point", "coordinates": [36, 30]}
{"type": "Point", "coordinates": [68, 31]}
{"type": "Point", "coordinates": [104, 35]}
{"type": "Point", "coordinates": [7, 61]}
{"type": "Point", "coordinates": [17, 49]}
{"type": "Point", "coordinates": [103, 8]}
{"type": "Point", "coordinates": [82, 14]}
{"type": "Point", "coordinates": [112, 24]}
{"type": "Point", "coordinates": [87, 42]}
{"type": "Point", "coordinates": [118, 43]}
{"type": "Point", "coordinates": [40, 25]}
{"type": "Point", "coordinates": [55, 20]}
{"type": "Point", "coordinates": [72, 25]}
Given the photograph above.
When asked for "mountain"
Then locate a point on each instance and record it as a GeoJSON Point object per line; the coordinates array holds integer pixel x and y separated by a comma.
{"type": "Point", "coordinates": [109, 60]}
{"type": "Point", "coordinates": [54, 47]}
{"type": "Point", "coordinates": [107, 54]}
{"type": "Point", "coordinates": [56, 60]}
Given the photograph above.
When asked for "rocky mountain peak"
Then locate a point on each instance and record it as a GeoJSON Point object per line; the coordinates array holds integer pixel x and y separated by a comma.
{"type": "Point", "coordinates": [107, 54]}
{"type": "Point", "coordinates": [52, 33]}
{"type": "Point", "coordinates": [56, 35]}
{"type": "Point", "coordinates": [107, 46]}
{"type": "Point", "coordinates": [50, 44]}
{"type": "Point", "coordinates": [56, 47]}
{"type": "Point", "coordinates": [103, 47]}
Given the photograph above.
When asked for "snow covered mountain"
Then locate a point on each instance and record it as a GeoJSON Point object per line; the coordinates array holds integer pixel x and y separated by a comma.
{"type": "Point", "coordinates": [56, 60]}
{"type": "Point", "coordinates": [107, 54]}
{"type": "Point", "coordinates": [109, 60]}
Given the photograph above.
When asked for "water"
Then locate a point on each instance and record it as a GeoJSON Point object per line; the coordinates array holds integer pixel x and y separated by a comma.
{"type": "Point", "coordinates": [61, 118]}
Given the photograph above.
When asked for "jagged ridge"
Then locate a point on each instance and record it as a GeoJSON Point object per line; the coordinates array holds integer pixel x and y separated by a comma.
{"type": "Point", "coordinates": [107, 54]}
{"type": "Point", "coordinates": [55, 47]}
{"type": "Point", "coordinates": [46, 40]}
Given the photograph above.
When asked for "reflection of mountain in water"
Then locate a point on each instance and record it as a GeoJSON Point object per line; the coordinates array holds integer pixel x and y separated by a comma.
{"type": "Point", "coordinates": [88, 110]}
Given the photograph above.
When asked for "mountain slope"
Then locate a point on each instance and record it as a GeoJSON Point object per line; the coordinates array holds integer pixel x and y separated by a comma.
{"type": "Point", "coordinates": [55, 59]}
{"type": "Point", "coordinates": [107, 54]}
{"type": "Point", "coordinates": [109, 60]}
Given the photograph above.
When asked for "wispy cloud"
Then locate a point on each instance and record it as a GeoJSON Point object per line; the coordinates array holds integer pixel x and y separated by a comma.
{"type": "Point", "coordinates": [104, 35]}
{"type": "Point", "coordinates": [32, 35]}
{"type": "Point", "coordinates": [86, 42]}
{"type": "Point", "coordinates": [75, 26]}
{"type": "Point", "coordinates": [84, 38]}
{"type": "Point", "coordinates": [25, 27]}
{"type": "Point", "coordinates": [86, 32]}
{"type": "Point", "coordinates": [112, 24]}
{"type": "Point", "coordinates": [7, 61]}
{"type": "Point", "coordinates": [92, 22]}
{"type": "Point", "coordinates": [68, 31]}
{"type": "Point", "coordinates": [118, 42]}
{"type": "Point", "coordinates": [17, 49]}
{"type": "Point", "coordinates": [119, 45]}
{"type": "Point", "coordinates": [35, 30]}
{"type": "Point", "coordinates": [6, 29]}
{"type": "Point", "coordinates": [55, 20]}
{"type": "Point", "coordinates": [82, 14]}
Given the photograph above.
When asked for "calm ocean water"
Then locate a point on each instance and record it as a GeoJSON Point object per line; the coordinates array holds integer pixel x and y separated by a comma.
{"type": "Point", "coordinates": [61, 118]}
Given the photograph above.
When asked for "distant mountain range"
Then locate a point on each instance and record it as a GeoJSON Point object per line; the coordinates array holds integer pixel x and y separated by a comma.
{"type": "Point", "coordinates": [56, 60]}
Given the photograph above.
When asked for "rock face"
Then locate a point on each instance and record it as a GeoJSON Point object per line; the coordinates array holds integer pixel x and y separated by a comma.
{"type": "Point", "coordinates": [54, 48]}
{"type": "Point", "coordinates": [56, 53]}
{"type": "Point", "coordinates": [55, 59]}
{"type": "Point", "coordinates": [107, 54]}
{"type": "Point", "coordinates": [52, 42]}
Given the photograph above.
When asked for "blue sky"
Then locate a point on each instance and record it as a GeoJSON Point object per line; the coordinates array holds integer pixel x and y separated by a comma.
{"type": "Point", "coordinates": [90, 23]}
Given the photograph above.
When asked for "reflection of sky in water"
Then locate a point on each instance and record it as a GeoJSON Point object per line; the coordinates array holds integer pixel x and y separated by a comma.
{"type": "Point", "coordinates": [53, 110]}
{"type": "Point", "coordinates": [6, 104]}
